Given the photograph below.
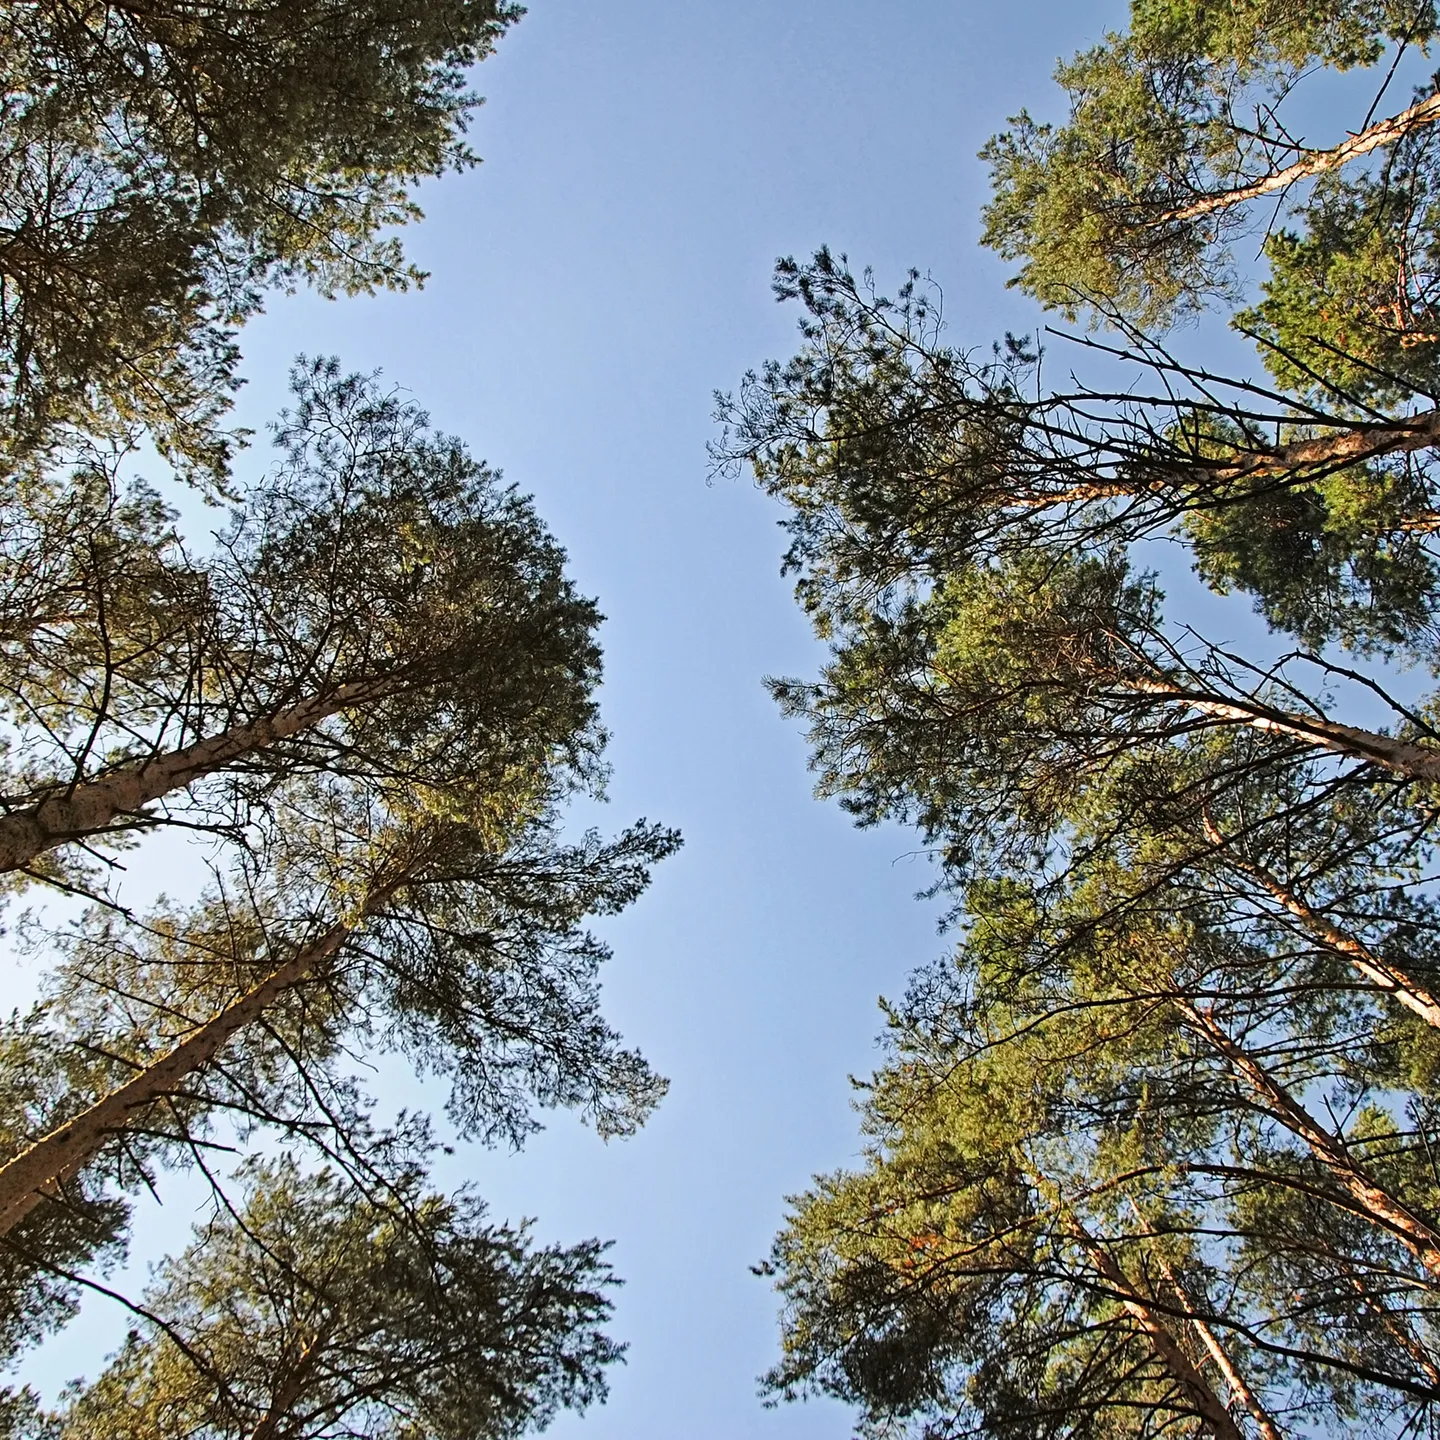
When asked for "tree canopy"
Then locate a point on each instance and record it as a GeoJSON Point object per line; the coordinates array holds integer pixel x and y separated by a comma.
{"type": "Point", "coordinates": [1178, 133]}
{"type": "Point", "coordinates": [381, 609]}
{"type": "Point", "coordinates": [1148, 1153]}
{"type": "Point", "coordinates": [322, 1309]}
{"type": "Point", "coordinates": [369, 693]}
{"type": "Point", "coordinates": [377, 691]}
{"type": "Point", "coordinates": [164, 166]}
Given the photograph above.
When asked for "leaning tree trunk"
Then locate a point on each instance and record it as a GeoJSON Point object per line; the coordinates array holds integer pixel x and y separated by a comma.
{"type": "Point", "coordinates": [1207, 478]}
{"type": "Point", "coordinates": [1400, 757]}
{"type": "Point", "coordinates": [1239, 1386]}
{"type": "Point", "coordinates": [75, 811]}
{"type": "Point", "coordinates": [1378, 971]}
{"type": "Point", "coordinates": [37, 1172]}
{"type": "Point", "coordinates": [1312, 163]}
{"type": "Point", "coordinates": [1416, 1233]}
{"type": "Point", "coordinates": [1207, 1404]}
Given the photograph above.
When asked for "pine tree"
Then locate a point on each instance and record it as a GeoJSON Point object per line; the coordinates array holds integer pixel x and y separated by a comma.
{"type": "Point", "coordinates": [1177, 137]}
{"type": "Point", "coordinates": [381, 609]}
{"type": "Point", "coordinates": [456, 939]}
{"type": "Point", "coordinates": [318, 1308]}
{"type": "Point", "coordinates": [374, 685]}
{"type": "Point", "coordinates": [164, 167]}
{"type": "Point", "coordinates": [1152, 1154]}
{"type": "Point", "coordinates": [1116, 1183]}
{"type": "Point", "coordinates": [378, 689]}
{"type": "Point", "coordinates": [970, 555]}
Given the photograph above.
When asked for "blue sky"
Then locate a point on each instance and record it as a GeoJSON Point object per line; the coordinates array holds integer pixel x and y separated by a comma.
{"type": "Point", "coordinates": [591, 284]}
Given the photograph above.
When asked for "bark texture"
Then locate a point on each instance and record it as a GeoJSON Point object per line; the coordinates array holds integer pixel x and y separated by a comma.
{"type": "Point", "coordinates": [1313, 162]}
{"type": "Point", "coordinates": [90, 807]}
{"type": "Point", "coordinates": [38, 1171]}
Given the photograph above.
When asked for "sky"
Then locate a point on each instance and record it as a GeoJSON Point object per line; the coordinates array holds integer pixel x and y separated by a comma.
{"type": "Point", "coordinates": [591, 284]}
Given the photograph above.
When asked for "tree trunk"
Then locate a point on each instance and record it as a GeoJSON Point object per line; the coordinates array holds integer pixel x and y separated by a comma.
{"type": "Point", "coordinates": [1324, 452]}
{"type": "Point", "coordinates": [1401, 757]}
{"type": "Point", "coordinates": [291, 1387]}
{"type": "Point", "coordinates": [1239, 1386]}
{"type": "Point", "coordinates": [1413, 1231]}
{"type": "Point", "coordinates": [1379, 972]}
{"type": "Point", "coordinates": [1313, 162]}
{"type": "Point", "coordinates": [1346, 447]}
{"type": "Point", "coordinates": [1208, 1407]}
{"type": "Point", "coordinates": [84, 809]}
{"type": "Point", "coordinates": [37, 1171]}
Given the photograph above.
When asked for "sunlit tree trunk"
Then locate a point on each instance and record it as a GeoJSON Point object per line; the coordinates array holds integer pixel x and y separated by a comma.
{"type": "Point", "coordinates": [1313, 162]}
{"type": "Point", "coordinates": [1381, 973]}
{"type": "Point", "coordinates": [1401, 757]}
{"type": "Point", "coordinates": [1208, 1405]}
{"type": "Point", "coordinates": [39, 1170]}
{"type": "Point", "coordinates": [91, 807]}
{"type": "Point", "coordinates": [1416, 1233]}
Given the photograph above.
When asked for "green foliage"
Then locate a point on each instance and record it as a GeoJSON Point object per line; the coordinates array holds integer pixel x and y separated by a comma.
{"type": "Point", "coordinates": [378, 575]}
{"type": "Point", "coordinates": [321, 1309]}
{"type": "Point", "coordinates": [1351, 294]}
{"type": "Point", "coordinates": [462, 946]}
{"type": "Point", "coordinates": [1339, 559]}
{"type": "Point", "coordinates": [901, 458]}
{"type": "Point", "coordinates": [1125, 208]}
{"type": "Point", "coordinates": [162, 168]}
{"type": "Point", "coordinates": [1167, 1099]}
{"type": "Point", "coordinates": [378, 687]}
{"type": "Point", "coordinates": [39, 1292]}
{"type": "Point", "coordinates": [1057, 1144]}
{"type": "Point", "coordinates": [374, 688]}
{"type": "Point", "coordinates": [1152, 1154]}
